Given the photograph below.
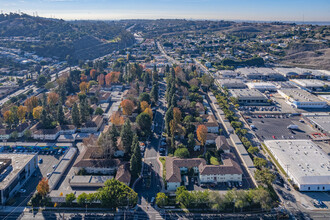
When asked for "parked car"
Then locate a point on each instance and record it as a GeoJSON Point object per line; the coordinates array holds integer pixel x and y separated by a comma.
{"type": "Point", "coordinates": [41, 160]}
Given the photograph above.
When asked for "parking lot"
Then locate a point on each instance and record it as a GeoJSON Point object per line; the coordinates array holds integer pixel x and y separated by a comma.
{"type": "Point", "coordinates": [49, 161]}
{"type": "Point", "coordinates": [268, 127]}
{"type": "Point", "coordinates": [224, 186]}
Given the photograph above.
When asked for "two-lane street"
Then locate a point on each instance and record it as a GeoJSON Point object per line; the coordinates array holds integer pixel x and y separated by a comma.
{"type": "Point", "coordinates": [151, 154]}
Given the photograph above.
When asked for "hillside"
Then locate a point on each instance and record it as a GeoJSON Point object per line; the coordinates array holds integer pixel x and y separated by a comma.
{"type": "Point", "coordinates": [62, 39]}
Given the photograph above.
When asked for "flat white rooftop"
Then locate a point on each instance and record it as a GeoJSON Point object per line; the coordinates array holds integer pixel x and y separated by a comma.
{"type": "Point", "coordinates": [302, 159]}
{"type": "Point", "coordinates": [312, 83]}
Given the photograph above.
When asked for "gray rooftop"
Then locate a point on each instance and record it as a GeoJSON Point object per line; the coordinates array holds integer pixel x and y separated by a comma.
{"type": "Point", "coordinates": [18, 162]}
{"type": "Point", "coordinates": [246, 93]}
{"type": "Point", "coordinates": [322, 120]}
{"type": "Point", "coordinates": [314, 83]}
{"type": "Point", "coordinates": [300, 95]}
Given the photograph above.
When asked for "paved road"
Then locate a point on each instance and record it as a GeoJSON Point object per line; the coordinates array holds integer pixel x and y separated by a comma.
{"type": "Point", "coordinates": [173, 61]}
{"type": "Point", "coordinates": [151, 155]}
{"type": "Point", "coordinates": [29, 87]}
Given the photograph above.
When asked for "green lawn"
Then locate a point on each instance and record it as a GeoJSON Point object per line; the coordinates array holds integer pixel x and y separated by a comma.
{"type": "Point", "coordinates": [214, 161]}
{"type": "Point", "coordinates": [163, 160]}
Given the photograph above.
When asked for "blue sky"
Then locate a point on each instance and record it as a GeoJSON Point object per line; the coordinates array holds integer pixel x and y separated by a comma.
{"type": "Point", "coordinates": [278, 10]}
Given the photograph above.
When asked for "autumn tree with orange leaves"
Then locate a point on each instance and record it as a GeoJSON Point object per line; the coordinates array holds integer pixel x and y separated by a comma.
{"type": "Point", "coordinates": [149, 112]}
{"type": "Point", "coordinates": [83, 87]}
{"type": "Point", "coordinates": [71, 100]}
{"type": "Point", "coordinates": [31, 103]}
{"type": "Point", "coordinates": [117, 119]}
{"type": "Point", "coordinates": [37, 112]}
{"type": "Point", "coordinates": [202, 134]}
{"type": "Point", "coordinates": [108, 79]}
{"type": "Point", "coordinates": [52, 98]}
{"type": "Point", "coordinates": [176, 115]}
{"type": "Point", "coordinates": [83, 77]}
{"type": "Point", "coordinates": [43, 187]}
{"type": "Point", "coordinates": [144, 105]}
{"type": "Point", "coordinates": [100, 79]}
{"type": "Point", "coordinates": [127, 106]}
{"type": "Point", "coordinates": [21, 112]}
{"type": "Point", "coordinates": [92, 73]}
{"type": "Point", "coordinates": [8, 117]}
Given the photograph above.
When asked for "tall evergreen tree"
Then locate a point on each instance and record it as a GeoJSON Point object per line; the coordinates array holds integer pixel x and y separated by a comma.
{"type": "Point", "coordinates": [137, 153]}
{"type": "Point", "coordinates": [60, 115]}
{"type": "Point", "coordinates": [126, 136]}
{"type": "Point", "coordinates": [168, 118]}
{"type": "Point", "coordinates": [133, 166]}
{"type": "Point", "coordinates": [75, 115]}
{"type": "Point", "coordinates": [154, 92]}
{"type": "Point", "coordinates": [114, 134]}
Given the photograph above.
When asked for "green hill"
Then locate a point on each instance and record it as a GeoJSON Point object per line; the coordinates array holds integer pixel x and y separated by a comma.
{"type": "Point", "coordinates": [59, 38]}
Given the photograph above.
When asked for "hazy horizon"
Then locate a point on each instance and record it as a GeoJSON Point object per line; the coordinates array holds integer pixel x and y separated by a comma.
{"type": "Point", "coordinates": [244, 10]}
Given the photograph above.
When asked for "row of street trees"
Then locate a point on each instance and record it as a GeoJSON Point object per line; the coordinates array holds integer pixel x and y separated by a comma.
{"type": "Point", "coordinates": [241, 200]}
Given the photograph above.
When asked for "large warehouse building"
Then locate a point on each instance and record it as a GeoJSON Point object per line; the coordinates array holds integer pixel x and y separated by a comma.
{"type": "Point", "coordinates": [320, 121]}
{"type": "Point", "coordinates": [302, 99]}
{"type": "Point", "coordinates": [249, 97]}
{"type": "Point", "coordinates": [305, 163]}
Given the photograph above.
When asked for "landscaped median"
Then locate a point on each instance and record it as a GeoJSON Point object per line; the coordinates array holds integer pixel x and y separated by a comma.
{"type": "Point", "coordinates": [273, 159]}
{"type": "Point", "coordinates": [163, 168]}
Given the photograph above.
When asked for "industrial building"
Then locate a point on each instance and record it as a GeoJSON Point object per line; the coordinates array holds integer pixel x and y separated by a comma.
{"type": "Point", "coordinates": [228, 74]}
{"type": "Point", "coordinates": [267, 74]}
{"type": "Point", "coordinates": [304, 162]}
{"type": "Point", "coordinates": [249, 97]}
{"type": "Point", "coordinates": [302, 73]}
{"type": "Point", "coordinates": [320, 121]}
{"type": "Point", "coordinates": [231, 83]}
{"type": "Point", "coordinates": [262, 86]}
{"type": "Point", "coordinates": [299, 98]}
{"type": "Point", "coordinates": [15, 170]}
{"type": "Point", "coordinates": [312, 84]}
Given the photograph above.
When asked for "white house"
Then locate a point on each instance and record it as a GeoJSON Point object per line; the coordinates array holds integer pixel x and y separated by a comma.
{"type": "Point", "coordinates": [92, 126]}
{"type": "Point", "coordinates": [45, 134]}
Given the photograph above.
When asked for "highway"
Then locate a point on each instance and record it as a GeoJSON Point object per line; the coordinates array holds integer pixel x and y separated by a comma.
{"type": "Point", "coordinates": [33, 87]}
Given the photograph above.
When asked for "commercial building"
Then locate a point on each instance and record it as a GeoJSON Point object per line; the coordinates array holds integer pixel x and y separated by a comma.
{"type": "Point", "coordinates": [312, 84]}
{"type": "Point", "coordinates": [176, 169]}
{"type": "Point", "coordinates": [228, 74]}
{"type": "Point", "coordinates": [299, 98]}
{"type": "Point", "coordinates": [320, 121]}
{"type": "Point", "coordinates": [304, 162]}
{"type": "Point", "coordinates": [231, 83]}
{"type": "Point", "coordinates": [294, 73]}
{"type": "Point", "coordinates": [249, 97]}
{"type": "Point", "coordinates": [15, 170]}
{"type": "Point", "coordinates": [267, 74]}
{"type": "Point", "coordinates": [262, 86]}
